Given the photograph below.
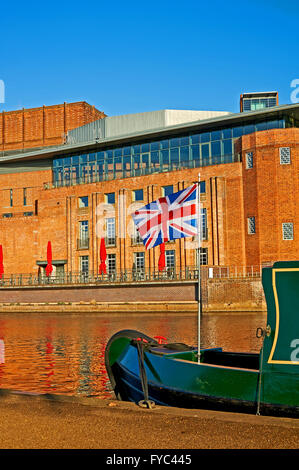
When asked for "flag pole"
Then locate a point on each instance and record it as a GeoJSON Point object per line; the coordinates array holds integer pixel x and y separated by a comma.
{"type": "Point", "coordinates": [198, 269]}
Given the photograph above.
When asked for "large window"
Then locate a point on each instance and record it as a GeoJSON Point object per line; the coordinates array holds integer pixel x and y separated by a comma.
{"type": "Point", "coordinates": [83, 241]}
{"type": "Point", "coordinates": [170, 259]}
{"type": "Point", "coordinates": [188, 151]}
{"type": "Point", "coordinates": [84, 264]}
{"type": "Point", "coordinates": [111, 263]}
{"type": "Point", "coordinates": [203, 256]}
{"type": "Point", "coordinates": [110, 231]}
{"type": "Point", "coordinates": [139, 261]}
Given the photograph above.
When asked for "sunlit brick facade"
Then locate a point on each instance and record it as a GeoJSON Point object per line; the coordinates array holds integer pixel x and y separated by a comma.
{"type": "Point", "coordinates": [249, 197]}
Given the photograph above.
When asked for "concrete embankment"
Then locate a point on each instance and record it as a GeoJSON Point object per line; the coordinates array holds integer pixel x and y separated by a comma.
{"type": "Point", "coordinates": [58, 422]}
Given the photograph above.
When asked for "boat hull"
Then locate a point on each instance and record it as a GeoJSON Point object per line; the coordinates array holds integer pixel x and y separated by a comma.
{"type": "Point", "coordinates": [175, 378]}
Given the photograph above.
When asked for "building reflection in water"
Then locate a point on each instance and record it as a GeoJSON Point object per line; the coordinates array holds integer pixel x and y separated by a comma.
{"type": "Point", "coordinates": [64, 353]}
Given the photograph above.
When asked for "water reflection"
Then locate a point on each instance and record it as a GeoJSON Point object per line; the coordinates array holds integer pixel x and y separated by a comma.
{"type": "Point", "coordinates": [64, 353]}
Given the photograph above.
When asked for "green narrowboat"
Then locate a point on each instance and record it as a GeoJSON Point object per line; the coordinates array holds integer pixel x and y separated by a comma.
{"type": "Point", "coordinates": [173, 374]}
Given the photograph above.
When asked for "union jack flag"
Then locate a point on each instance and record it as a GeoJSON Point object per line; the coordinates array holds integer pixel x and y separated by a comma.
{"type": "Point", "coordinates": [167, 218]}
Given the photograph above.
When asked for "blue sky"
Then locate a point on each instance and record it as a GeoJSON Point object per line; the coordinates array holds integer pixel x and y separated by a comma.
{"type": "Point", "coordinates": [133, 56]}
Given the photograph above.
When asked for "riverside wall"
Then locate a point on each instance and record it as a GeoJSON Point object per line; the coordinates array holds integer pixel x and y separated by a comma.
{"type": "Point", "coordinates": [218, 295]}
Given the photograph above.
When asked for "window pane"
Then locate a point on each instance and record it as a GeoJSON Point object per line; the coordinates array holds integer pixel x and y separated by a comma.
{"type": "Point", "coordinates": [184, 154]}
{"type": "Point", "coordinates": [216, 135]}
{"type": "Point", "coordinates": [195, 152]}
{"type": "Point", "coordinates": [127, 150]}
{"type": "Point", "coordinates": [136, 149]}
{"type": "Point", "coordinates": [227, 133]}
{"type": "Point", "coordinates": [184, 141]}
{"type": "Point", "coordinates": [195, 139]}
{"type": "Point", "coordinates": [165, 157]}
{"type": "Point", "coordinates": [138, 195]}
{"type": "Point", "coordinates": [110, 198]}
{"type": "Point", "coordinates": [202, 186]}
{"type": "Point", "coordinates": [83, 158]}
{"type": "Point", "coordinates": [145, 158]}
{"type": "Point", "coordinates": [111, 263]}
{"type": "Point", "coordinates": [261, 126]}
{"type": "Point", "coordinates": [237, 131]}
{"type": "Point", "coordinates": [145, 148]}
{"type": "Point", "coordinates": [83, 201]}
{"type": "Point", "coordinates": [206, 137]}
{"type": "Point", "coordinates": [155, 146]}
{"type": "Point", "coordinates": [174, 155]}
{"type": "Point", "coordinates": [205, 151]}
{"type": "Point", "coordinates": [249, 129]}
{"type": "Point", "coordinates": [170, 258]}
{"type": "Point", "coordinates": [174, 142]}
{"type": "Point", "coordinates": [227, 147]}
{"type": "Point", "coordinates": [155, 157]}
{"type": "Point", "coordinates": [167, 190]}
{"type": "Point", "coordinates": [216, 149]}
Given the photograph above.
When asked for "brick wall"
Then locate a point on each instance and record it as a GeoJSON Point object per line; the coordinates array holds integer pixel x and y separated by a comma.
{"type": "Point", "coordinates": [44, 126]}
{"type": "Point", "coordinates": [271, 195]}
{"type": "Point", "coordinates": [163, 293]}
{"type": "Point", "coordinates": [235, 294]}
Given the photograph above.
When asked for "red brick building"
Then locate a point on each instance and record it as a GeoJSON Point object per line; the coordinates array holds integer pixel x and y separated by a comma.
{"type": "Point", "coordinates": [76, 189]}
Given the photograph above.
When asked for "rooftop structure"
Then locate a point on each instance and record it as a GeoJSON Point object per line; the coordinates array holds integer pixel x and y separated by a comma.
{"type": "Point", "coordinates": [258, 100]}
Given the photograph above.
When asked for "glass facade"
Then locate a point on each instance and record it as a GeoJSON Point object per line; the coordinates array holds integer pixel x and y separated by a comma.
{"type": "Point", "coordinates": [190, 151]}
{"type": "Point", "coordinates": [255, 104]}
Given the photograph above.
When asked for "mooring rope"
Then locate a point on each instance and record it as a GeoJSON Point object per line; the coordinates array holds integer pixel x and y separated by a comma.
{"type": "Point", "coordinates": [146, 403]}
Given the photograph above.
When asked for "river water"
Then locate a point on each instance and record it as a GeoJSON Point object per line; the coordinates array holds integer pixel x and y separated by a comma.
{"type": "Point", "coordinates": [64, 353]}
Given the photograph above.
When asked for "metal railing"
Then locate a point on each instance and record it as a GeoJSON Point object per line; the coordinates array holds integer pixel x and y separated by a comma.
{"type": "Point", "coordinates": [125, 276]}
{"type": "Point", "coordinates": [134, 275]}
{"type": "Point", "coordinates": [237, 271]}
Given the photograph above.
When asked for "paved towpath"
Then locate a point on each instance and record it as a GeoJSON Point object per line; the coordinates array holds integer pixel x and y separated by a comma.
{"type": "Point", "coordinates": [55, 422]}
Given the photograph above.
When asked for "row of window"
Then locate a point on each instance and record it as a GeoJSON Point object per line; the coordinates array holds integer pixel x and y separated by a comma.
{"type": "Point", "coordinates": [201, 149]}
{"type": "Point", "coordinates": [287, 228]}
{"type": "Point", "coordinates": [110, 231]}
{"type": "Point", "coordinates": [139, 261]}
{"type": "Point", "coordinates": [284, 157]}
{"type": "Point", "coordinates": [137, 195]}
{"type": "Point", "coordinates": [11, 203]}
{"type": "Point", "coordinates": [8, 215]}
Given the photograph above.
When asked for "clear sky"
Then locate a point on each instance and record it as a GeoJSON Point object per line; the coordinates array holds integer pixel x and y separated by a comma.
{"type": "Point", "coordinates": [134, 56]}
